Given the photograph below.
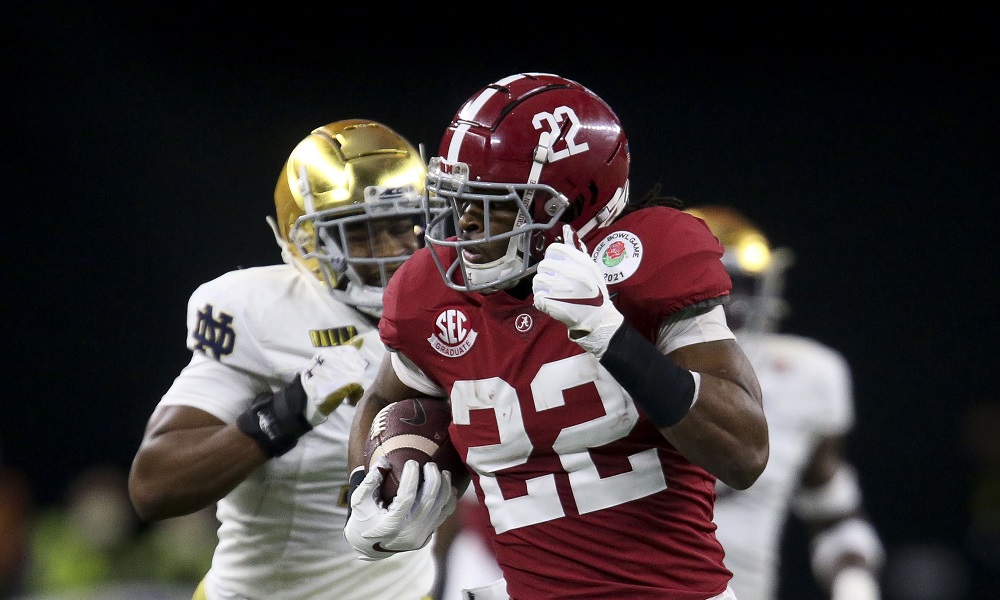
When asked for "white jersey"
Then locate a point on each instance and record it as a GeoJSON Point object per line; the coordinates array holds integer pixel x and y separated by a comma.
{"type": "Point", "coordinates": [807, 393]}
{"type": "Point", "coordinates": [282, 529]}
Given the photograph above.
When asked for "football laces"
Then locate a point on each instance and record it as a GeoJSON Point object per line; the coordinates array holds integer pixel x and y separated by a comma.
{"type": "Point", "coordinates": [380, 423]}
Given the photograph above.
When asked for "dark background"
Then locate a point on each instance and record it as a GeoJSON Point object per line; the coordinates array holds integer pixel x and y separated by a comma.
{"type": "Point", "coordinates": [141, 148]}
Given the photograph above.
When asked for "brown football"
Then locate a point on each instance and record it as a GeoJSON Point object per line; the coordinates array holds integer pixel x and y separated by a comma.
{"type": "Point", "coordinates": [413, 429]}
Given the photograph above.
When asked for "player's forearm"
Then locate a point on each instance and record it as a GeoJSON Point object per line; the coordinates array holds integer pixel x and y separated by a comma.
{"type": "Point", "coordinates": [724, 432]}
{"type": "Point", "coordinates": [182, 471]}
{"type": "Point", "coordinates": [846, 560]}
{"type": "Point", "coordinates": [386, 389]}
{"type": "Point", "coordinates": [367, 408]}
{"type": "Point", "coordinates": [704, 398]}
{"type": "Point", "coordinates": [855, 583]}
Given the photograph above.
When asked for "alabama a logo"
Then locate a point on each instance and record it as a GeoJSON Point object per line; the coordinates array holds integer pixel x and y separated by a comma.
{"type": "Point", "coordinates": [452, 336]}
{"type": "Point", "coordinates": [618, 256]}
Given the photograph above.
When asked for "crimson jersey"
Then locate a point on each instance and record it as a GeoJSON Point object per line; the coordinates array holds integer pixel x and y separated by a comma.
{"type": "Point", "coordinates": [584, 494]}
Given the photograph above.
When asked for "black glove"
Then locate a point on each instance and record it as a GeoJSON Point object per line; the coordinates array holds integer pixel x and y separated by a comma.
{"type": "Point", "coordinates": [276, 421]}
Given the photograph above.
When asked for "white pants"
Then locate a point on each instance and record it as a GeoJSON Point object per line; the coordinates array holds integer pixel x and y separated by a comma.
{"type": "Point", "coordinates": [729, 594]}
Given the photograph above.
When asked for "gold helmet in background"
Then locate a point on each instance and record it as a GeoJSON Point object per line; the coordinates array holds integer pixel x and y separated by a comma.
{"type": "Point", "coordinates": [344, 178]}
{"type": "Point", "coordinates": [756, 268]}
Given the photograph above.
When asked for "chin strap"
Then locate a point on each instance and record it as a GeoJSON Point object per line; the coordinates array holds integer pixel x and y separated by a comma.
{"type": "Point", "coordinates": [475, 274]}
{"type": "Point", "coordinates": [609, 213]}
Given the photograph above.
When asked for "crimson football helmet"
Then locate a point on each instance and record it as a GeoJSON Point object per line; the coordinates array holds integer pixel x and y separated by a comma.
{"type": "Point", "coordinates": [545, 143]}
{"type": "Point", "coordinates": [342, 175]}
{"type": "Point", "coordinates": [755, 267]}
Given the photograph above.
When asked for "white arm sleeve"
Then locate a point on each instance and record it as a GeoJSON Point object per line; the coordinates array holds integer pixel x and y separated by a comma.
{"type": "Point", "coordinates": [852, 536]}
{"type": "Point", "coordinates": [706, 327]}
{"type": "Point", "coordinates": [411, 375]}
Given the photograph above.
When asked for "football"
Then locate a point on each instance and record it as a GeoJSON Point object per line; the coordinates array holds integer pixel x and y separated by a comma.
{"type": "Point", "coordinates": [413, 429]}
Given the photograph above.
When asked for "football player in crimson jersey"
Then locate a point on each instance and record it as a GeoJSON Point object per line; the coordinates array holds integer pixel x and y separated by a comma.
{"type": "Point", "coordinates": [596, 390]}
{"type": "Point", "coordinates": [257, 423]}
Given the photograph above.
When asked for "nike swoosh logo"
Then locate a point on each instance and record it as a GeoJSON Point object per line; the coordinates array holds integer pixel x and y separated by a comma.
{"type": "Point", "coordinates": [377, 546]}
{"type": "Point", "coordinates": [419, 418]}
{"type": "Point", "coordinates": [595, 301]}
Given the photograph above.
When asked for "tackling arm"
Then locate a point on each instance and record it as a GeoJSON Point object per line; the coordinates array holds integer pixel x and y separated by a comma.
{"type": "Point", "coordinates": [188, 459]}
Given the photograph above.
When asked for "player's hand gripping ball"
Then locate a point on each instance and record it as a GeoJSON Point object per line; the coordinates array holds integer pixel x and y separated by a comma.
{"type": "Point", "coordinates": [413, 429]}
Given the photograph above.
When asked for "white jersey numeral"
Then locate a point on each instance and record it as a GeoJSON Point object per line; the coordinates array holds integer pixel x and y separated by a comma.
{"type": "Point", "coordinates": [554, 120]}
{"type": "Point", "coordinates": [641, 476]}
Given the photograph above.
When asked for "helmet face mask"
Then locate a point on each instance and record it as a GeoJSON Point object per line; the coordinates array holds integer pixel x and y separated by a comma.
{"type": "Point", "coordinates": [357, 252]}
{"type": "Point", "coordinates": [542, 143]}
{"type": "Point", "coordinates": [350, 209]}
{"type": "Point", "coordinates": [523, 238]}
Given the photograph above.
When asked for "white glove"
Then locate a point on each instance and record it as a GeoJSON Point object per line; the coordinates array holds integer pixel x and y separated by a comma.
{"type": "Point", "coordinates": [491, 591]}
{"type": "Point", "coordinates": [334, 375]}
{"type": "Point", "coordinates": [377, 532]}
{"type": "Point", "coordinates": [855, 583]}
{"type": "Point", "coordinates": [569, 286]}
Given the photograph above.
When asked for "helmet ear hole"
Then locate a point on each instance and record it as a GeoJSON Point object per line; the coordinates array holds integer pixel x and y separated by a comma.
{"type": "Point", "coordinates": [552, 206]}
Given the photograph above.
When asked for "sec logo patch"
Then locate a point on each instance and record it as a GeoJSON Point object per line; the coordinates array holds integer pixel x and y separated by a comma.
{"type": "Point", "coordinates": [453, 336]}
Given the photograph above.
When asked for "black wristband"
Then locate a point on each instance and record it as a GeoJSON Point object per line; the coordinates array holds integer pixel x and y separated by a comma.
{"type": "Point", "coordinates": [357, 476]}
{"type": "Point", "coordinates": [276, 421]}
{"type": "Point", "coordinates": [664, 390]}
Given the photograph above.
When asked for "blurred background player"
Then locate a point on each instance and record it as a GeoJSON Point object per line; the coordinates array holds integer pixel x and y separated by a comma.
{"type": "Point", "coordinates": [16, 519]}
{"type": "Point", "coordinates": [808, 401]}
{"type": "Point", "coordinates": [258, 421]}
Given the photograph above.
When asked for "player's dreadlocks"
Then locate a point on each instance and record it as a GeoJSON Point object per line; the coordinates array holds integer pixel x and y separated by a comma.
{"type": "Point", "coordinates": [653, 198]}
